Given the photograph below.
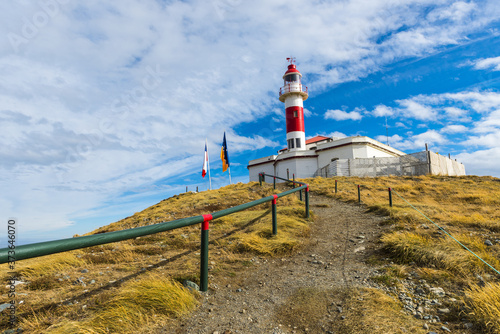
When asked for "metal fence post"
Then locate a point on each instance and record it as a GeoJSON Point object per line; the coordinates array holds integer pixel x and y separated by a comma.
{"type": "Point", "coordinates": [335, 186]}
{"type": "Point", "coordinates": [274, 182]}
{"type": "Point", "coordinates": [359, 194]}
{"type": "Point", "coordinates": [274, 214]}
{"type": "Point", "coordinates": [260, 179]}
{"type": "Point", "coordinates": [287, 174]}
{"type": "Point", "coordinates": [204, 253]}
{"type": "Point", "coordinates": [293, 180]}
{"type": "Point", "coordinates": [307, 201]}
{"type": "Point", "coordinates": [390, 197]}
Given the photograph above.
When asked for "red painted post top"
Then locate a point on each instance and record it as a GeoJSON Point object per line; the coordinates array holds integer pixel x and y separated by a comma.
{"type": "Point", "coordinates": [275, 198]}
{"type": "Point", "coordinates": [307, 188]}
{"type": "Point", "coordinates": [206, 219]}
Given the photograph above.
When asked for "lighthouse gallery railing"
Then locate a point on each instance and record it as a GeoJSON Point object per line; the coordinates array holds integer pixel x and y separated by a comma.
{"type": "Point", "coordinates": [293, 88]}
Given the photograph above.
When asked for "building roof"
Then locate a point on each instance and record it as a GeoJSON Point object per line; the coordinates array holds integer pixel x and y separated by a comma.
{"type": "Point", "coordinates": [316, 139]}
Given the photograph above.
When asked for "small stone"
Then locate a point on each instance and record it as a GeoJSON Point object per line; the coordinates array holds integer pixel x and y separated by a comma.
{"type": "Point", "coordinates": [446, 329]}
{"type": "Point", "coordinates": [468, 325]}
{"type": "Point", "coordinates": [359, 249]}
{"type": "Point", "coordinates": [84, 271]}
{"type": "Point", "coordinates": [444, 310]}
{"type": "Point", "coordinates": [438, 292]}
{"type": "Point", "coordinates": [239, 290]}
{"type": "Point", "coordinates": [488, 242]}
{"type": "Point", "coordinates": [92, 281]}
{"type": "Point", "coordinates": [192, 286]}
{"type": "Point", "coordinates": [425, 326]}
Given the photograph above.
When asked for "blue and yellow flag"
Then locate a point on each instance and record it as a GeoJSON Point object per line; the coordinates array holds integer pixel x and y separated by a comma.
{"type": "Point", "coordinates": [223, 154]}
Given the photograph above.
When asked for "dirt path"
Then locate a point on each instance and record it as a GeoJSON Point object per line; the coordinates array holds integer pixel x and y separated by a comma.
{"type": "Point", "coordinates": [343, 236]}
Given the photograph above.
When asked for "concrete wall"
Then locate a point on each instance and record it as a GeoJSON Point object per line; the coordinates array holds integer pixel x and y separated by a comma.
{"type": "Point", "coordinates": [441, 165]}
{"type": "Point", "coordinates": [254, 171]}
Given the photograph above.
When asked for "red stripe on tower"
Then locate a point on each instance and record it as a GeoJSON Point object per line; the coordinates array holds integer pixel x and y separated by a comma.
{"type": "Point", "coordinates": [294, 119]}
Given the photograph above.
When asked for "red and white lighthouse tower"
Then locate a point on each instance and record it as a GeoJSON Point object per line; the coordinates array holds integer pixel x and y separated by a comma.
{"type": "Point", "coordinates": [292, 93]}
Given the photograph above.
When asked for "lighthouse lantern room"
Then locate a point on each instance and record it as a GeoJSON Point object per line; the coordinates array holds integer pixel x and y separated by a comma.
{"type": "Point", "coordinates": [293, 94]}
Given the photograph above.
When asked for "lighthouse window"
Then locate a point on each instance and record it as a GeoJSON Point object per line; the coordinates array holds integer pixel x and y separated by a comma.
{"type": "Point", "coordinates": [292, 78]}
{"type": "Point", "coordinates": [295, 113]}
{"type": "Point", "coordinates": [297, 142]}
{"type": "Point", "coordinates": [290, 143]}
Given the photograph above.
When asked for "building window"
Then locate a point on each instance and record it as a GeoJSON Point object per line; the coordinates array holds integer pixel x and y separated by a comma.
{"type": "Point", "coordinates": [295, 113]}
{"type": "Point", "coordinates": [297, 142]}
{"type": "Point", "coordinates": [290, 143]}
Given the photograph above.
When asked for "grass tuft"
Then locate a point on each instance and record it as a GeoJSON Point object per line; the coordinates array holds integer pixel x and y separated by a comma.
{"type": "Point", "coordinates": [484, 305]}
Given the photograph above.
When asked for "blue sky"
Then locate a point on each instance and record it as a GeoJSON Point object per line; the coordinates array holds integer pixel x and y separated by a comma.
{"type": "Point", "coordinates": [105, 108]}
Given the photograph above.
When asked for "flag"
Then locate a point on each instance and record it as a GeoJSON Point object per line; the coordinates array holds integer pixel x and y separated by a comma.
{"type": "Point", "coordinates": [223, 154]}
{"type": "Point", "coordinates": [205, 162]}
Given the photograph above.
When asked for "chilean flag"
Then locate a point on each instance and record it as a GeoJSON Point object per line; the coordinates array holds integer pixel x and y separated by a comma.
{"type": "Point", "coordinates": [205, 162]}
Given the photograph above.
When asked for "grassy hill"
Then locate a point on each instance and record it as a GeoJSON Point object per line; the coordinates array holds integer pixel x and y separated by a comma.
{"type": "Point", "coordinates": [138, 281]}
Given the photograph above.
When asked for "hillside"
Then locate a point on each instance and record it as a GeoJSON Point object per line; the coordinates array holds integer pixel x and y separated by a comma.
{"type": "Point", "coordinates": [138, 280]}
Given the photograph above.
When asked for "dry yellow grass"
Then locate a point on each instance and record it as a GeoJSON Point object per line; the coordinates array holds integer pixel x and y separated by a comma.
{"type": "Point", "coordinates": [484, 303]}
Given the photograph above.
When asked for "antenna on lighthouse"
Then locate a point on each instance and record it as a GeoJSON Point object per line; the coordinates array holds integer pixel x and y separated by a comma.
{"type": "Point", "coordinates": [291, 60]}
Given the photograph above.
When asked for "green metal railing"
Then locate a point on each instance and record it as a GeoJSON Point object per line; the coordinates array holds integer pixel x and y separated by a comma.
{"type": "Point", "coordinates": [8, 255]}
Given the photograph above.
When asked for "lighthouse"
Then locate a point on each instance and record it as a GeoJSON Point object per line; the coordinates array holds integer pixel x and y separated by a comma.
{"type": "Point", "coordinates": [293, 94]}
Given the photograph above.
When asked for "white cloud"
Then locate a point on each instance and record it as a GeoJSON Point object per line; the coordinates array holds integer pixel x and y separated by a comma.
{"type": "Point", "coordinates": [336, 134]}
{"type": "Point", "coordinates": [454, 128]}
{"type": "Point", "coordinates": [416, 110]}
{"type": "Point", "coordinates": [481, 162]}
{"type": "Point", "coordinates": [340, 115]}
{"type": "Point", "coordinates": [417, 142]}
{"type": "Point", "coordinates": [455, 112]}
{"type": "Point", "coordinates": [488, 63]}
{"type": "Point", "coordinates": [477, 100]}
{"type": "Point", "coordinates": [382, 110]}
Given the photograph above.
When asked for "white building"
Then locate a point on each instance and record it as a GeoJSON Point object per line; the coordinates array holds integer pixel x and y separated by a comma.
{"type": "Point", "coordinates": [338, 156]}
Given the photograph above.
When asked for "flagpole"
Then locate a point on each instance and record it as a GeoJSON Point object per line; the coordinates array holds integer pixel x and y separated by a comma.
{"type": "Point", "coordinates": [229, 169]}
{"type": "Point", "coordinates": [208, 167]}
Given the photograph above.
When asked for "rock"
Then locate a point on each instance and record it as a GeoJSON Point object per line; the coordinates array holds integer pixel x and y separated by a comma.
{"type": "Point", "coordinates": [444, 310]}
{"type": "Point", "coordinates": [425, 326]}
{"type": "Point", "coordinates": [239, 290]}
{"type": "Point", "coordinates": [84, 271]}
{"type": "Point", "coordinates": [92, 281]}
{"type": "Point", "coordinates": [192, 286]}
{"type": "Point", "coordinates": [446, 329]}
{"type": "Point", "coordinates": [468, 325]}
{"type": "Point", "coordinates": [359, 249]}
{"type": "Point", "coordinates": [438, 292]}
{"type": "Point", "coordinates": [488, 242]}
{"type": "Point", "coordinates": [4, 306]}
